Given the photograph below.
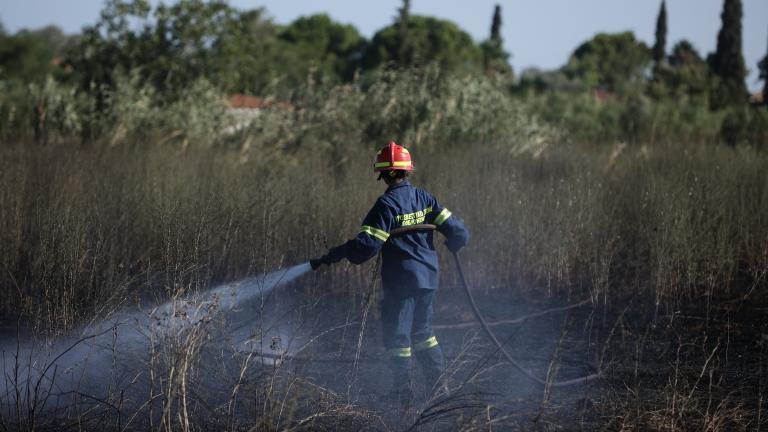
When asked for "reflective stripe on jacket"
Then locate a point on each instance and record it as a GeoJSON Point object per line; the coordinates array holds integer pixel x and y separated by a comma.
{"type": "Point", "coordinates": [408, 260]}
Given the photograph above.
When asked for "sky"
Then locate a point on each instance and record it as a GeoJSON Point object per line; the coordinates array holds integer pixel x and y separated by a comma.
{"type": "Point", "coordinates": [538, 33]}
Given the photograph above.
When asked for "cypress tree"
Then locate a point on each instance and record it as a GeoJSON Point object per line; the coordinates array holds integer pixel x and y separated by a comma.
{"type": "Point", "coordinates": [495, 59]}
{"type": "Point", "coordinates": [763, 67]}
{"type": "Point", "coordinates": [727, 63]}
{"type": "Point", "coordinates": [496, 26]}
{"type": "Point", "coordinates": [404, 51]}
{"type": "Point", "coordinates": [659, 48]}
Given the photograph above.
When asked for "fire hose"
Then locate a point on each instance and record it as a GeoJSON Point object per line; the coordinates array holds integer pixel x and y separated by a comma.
{"type": "Point", "coordinates": [484, 323]}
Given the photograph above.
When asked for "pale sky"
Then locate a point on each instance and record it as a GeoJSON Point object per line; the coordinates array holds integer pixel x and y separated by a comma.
{"type": "Point", "coordinates": [538, 33]}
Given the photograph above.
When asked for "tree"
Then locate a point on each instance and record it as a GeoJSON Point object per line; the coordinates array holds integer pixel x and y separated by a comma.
{"type": "Point", "coordinates": [727, 63]}
{"type": "Point", "coordinates": [687, 75]}
{"type": "Point", "coordinates": [109, 46]}
{"type": "Point", "coordinates": [659, 48]}
{"type": "Point", "coordinates": [404, 53]}
{"type": "Point", "coordinates": [430, 40]}
{"type": "Point", "coordinates": [251, 55]}
{"type": "Point", "coordinates": [31, 55]}
{"type": "Point", "coordinates": [614, 62]}
{"type": "Point", "coordinates": [170, 47]}
{"type": "Point", "coordinates": [495, 59]}
{"type": "Point", "coordinates": [334, 49]}
{"type": "Point", "coordinates": [763, 68]}
{"type": "Point", "coordinates": [496, 26]}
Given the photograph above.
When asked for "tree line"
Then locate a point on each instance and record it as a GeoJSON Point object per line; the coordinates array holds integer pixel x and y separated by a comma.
{"type": "Point", "coordinates": [238, 50]}
{"type": "Point", "coordinates": [170, 47]}
{"type": "Point", "coordinates": [245, 51]}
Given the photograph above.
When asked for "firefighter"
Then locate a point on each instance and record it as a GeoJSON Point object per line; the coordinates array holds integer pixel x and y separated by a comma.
{"type": "Point", "coordinates": [409, 266]}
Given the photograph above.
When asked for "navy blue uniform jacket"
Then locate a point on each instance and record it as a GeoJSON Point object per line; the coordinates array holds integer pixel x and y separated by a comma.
{"type": "Point", "coordinates": [409, 260]}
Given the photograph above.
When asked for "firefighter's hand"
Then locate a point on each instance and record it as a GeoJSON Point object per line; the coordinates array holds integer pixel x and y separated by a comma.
{"type": "Point", "coordinates": [316, 263]}
{"type": "Point", "coordinates": [454, 246]}
{"type": "Point", "coordinates": [333, 256]}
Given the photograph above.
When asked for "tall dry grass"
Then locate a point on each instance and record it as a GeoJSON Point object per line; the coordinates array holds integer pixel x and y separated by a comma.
{"type": "Point", "coordinates": [87, 228]}
{"type": "Point", "coordinates": [150, 208]}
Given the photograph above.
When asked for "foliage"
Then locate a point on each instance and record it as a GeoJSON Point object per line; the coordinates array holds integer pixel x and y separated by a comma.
{"type": "Point", "coordinates": [44, 112]}
{"type": "Point", "coordinates": [685, 76]}
{"type": "Point", "coordinates": [169, 48]}
{"type": "Point", "coordinates": [333, 49]}
{"type": "Point", "coordinates": [238, 51]}
{"type": "Point", "coordinates": [585, 118]}
{"type": "Point", "coordinates": [251, 56]}
{"type": "Point", "coordinates": [533, 80]}
{"type": "Point", "coordinates": [32, 55]}
{"type": "Point", "coordinates": [430, 40]}
{"type": "Point", "coordinates": [423, 106]}
{"type": "Point", "coordinates": [139, 63]}
{"type": "Point", "coordinates": [137, 113]}
{"type": "Point", "coordinates": [745, 125]}
{"type": "Point", "coordinates": [727, 62]}
{"type": "Point", "coordinates": [615, 62]}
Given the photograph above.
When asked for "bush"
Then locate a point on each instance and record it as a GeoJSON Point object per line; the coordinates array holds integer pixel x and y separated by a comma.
{"type": "Point", "coordinates": [47, 112]}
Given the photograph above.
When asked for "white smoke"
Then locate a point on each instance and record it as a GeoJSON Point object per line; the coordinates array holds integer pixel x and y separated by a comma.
{"type": "Point", "coordinates": [102, 356]}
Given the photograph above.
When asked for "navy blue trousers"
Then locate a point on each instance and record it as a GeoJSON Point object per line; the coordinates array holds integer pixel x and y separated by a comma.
{"type": "Point", "coordinates": [406, 316]}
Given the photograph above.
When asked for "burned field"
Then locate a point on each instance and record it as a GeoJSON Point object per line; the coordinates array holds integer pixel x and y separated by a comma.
{"type": "Point", "coordinates": [646, 266]}
{"type": "Point", "coordinates": [287, 360]}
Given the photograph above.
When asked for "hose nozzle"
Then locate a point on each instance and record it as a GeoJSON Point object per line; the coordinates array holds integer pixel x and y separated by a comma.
{"type": "Point", "coordinates": [315, 263]}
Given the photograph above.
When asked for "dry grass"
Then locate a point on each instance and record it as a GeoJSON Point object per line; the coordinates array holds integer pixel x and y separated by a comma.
{"type": "Point", "coordinates": [87, 230]}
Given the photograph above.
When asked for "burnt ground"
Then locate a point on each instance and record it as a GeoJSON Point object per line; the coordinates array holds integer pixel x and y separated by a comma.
{"type": "Point", "coordinates": [699, 366]}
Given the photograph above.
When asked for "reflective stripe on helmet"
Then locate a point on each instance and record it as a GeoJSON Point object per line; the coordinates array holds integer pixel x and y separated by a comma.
{"type": "Point", "coordinates": [393, 164]}
{"type": "Point", "coordinates": [443, 216]}
{"type": "Point", "coordinates": [427, 344]}
{"type": "Point", "coordinates": [399, 352]}
{"type": "Point", "coordinates": [375, 232]}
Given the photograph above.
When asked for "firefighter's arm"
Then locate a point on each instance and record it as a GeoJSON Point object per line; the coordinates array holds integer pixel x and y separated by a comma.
{"type": "Point", "coordinates": [456, 234]}
{"type": "Point", "coordinates": [374, 232]}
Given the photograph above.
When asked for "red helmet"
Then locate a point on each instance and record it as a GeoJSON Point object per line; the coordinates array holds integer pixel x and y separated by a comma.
{"type": "Point", "coordinates": [393, 157]}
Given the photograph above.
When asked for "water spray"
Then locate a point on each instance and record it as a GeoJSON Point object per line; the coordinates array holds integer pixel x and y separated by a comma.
{"type": "Point", "coordinates": [44, 372]}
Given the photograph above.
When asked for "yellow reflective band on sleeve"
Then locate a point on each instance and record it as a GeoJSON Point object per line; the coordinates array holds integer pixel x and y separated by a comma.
{"type": "Point", "coordinates": [381, 164]}
{"type": "Point", "coordinates": [399, 352]}
{"type": "Point", "coordinates": [443, 216]}
{"type": "Point", "coordinates": [375, 232]}
{"type": "Point", "coordinates": [427, 344]}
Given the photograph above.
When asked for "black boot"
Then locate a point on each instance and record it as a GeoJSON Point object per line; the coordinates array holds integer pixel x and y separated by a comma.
{"type": "Point", "coordinates": [433, 367]}
{"type": "Point", "coordinates": [401, 392]}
